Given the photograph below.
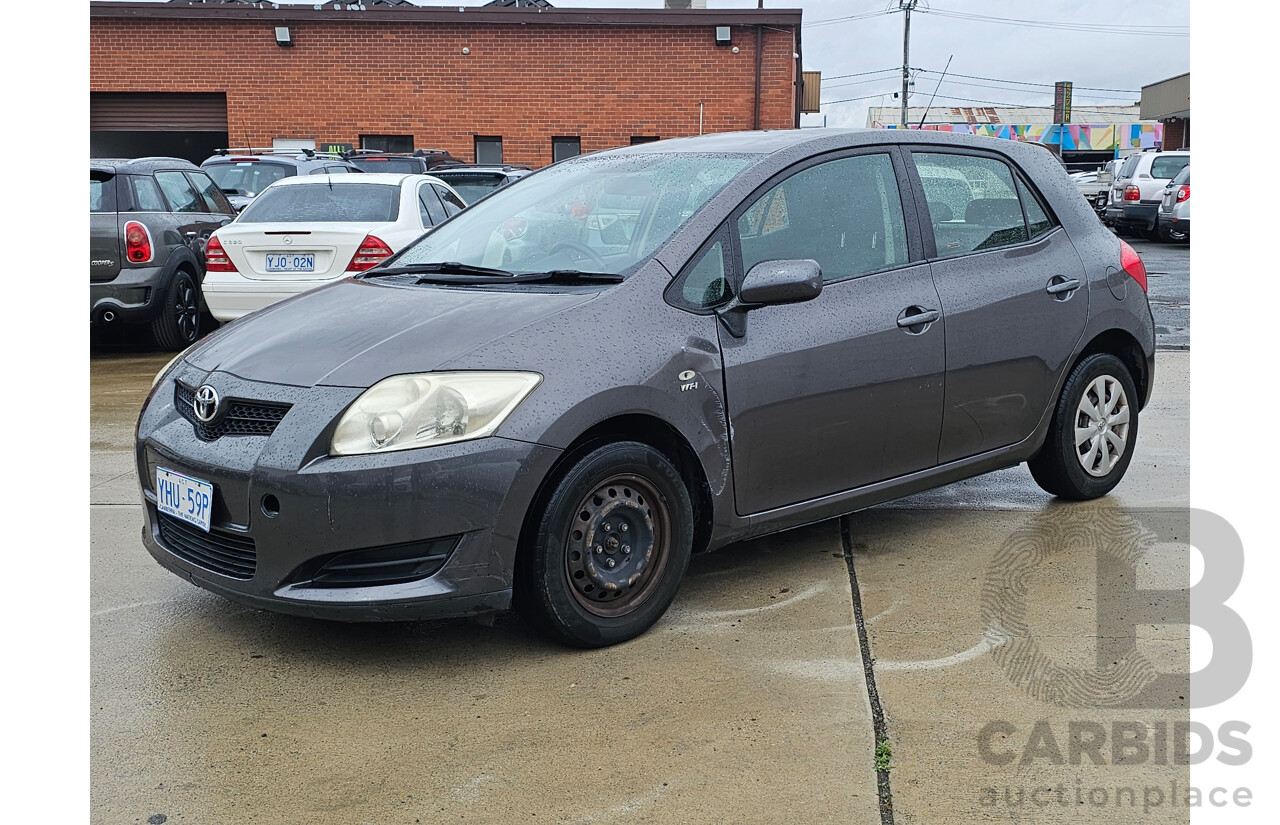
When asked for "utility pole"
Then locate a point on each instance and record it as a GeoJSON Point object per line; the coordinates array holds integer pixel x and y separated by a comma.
{"type": "Point", "coordinates": [906, 6]}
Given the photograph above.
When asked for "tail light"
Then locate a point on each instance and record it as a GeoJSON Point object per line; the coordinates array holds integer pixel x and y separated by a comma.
{"type": "Point", "coordinates": [1132, 193]}
{"type": "Point", "coordinates": [372, 251]}
{"type": "Point", "coordinates": [216, 258]}
{"type": "Point", "coordinates": [1184, 192]}
{"type": "Point", "coordinates": [137, 243]}
{"type": "Point", "coordinates": [1131, 263]}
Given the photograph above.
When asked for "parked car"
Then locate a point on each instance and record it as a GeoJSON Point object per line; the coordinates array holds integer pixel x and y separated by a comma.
{"type": "Point", "coordinates": [473, 181]}
{"type": "Point", "coordinates": [1175, 209]}
{"type": "Point", "coordinates": [417, 162]}
{"type": "Point", "coordinates": [1106, 176]}
{"type": "Point", "coordinates": [302, 232]}
{"type": "Point", "coordinates": [243, 173]}
{"type": "Point", "coordinates": [1138, 189]}
{"type": "Point", "coordinates": [1088, 185]}
{"type": "Point", "coordinates": [149, 220]}
{"type": "Point", "coordinates": [526, 405]}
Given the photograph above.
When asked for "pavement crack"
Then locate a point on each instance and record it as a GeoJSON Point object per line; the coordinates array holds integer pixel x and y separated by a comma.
{"type": "Point", "coordinates": [881, 755]}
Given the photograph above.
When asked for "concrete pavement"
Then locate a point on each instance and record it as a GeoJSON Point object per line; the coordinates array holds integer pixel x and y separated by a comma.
{"type": "Point", "coordinates": [746, 703]}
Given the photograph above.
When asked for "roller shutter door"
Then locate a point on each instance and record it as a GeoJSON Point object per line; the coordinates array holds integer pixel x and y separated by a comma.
{"type": "Point", "coordinates": [157, 112]}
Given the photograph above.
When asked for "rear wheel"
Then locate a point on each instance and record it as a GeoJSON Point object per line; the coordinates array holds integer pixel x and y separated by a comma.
{"type": "Point", "coordinates": [610, 549]}
{"type": "Point", "coordinates": [178, 324]}
{"type": "Point", "coordinates": [1093, 431]}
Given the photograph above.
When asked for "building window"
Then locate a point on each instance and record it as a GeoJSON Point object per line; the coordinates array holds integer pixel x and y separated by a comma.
{"type": "Point", "coordinates": [565, 147]}
{"type": "Point", "coordinates": [638, 139]}
{"type": "Point", "coordinates": [387, 143]}
{"type": "Point", "coordinates": [488, 149]}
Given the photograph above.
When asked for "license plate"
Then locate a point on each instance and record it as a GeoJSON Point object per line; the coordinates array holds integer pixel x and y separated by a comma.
{"type": "Point", "coordinates": [291, 263]}
{"type": "Point", "coordinates": [183, 497]}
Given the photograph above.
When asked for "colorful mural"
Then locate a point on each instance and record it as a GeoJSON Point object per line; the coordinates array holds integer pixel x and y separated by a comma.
{"type": "Point", "coordinates": [1074, 137]}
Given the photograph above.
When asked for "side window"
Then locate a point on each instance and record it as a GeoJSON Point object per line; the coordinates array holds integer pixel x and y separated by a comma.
{"type": "Point", "coordinates": [973, 204]}
{"type": "Point", "coordinates": [429, 206]}
{"type": "Point", "coordinates": [146, 197]}
{"type": "Point", "coordinates": [102, 192]}
{"type": "Point", "coordinates": [845, 214]}
{"type": "Point", "coordinates": [178, 191]}
{"type": "Point", "coordinates": [705, 284]}
{"type": "Point", "coordinates": [1038, 220]}
{"type": "Point", "coordinates": [452, 203]}
{"type": "Point", "coordinates": [1130, 164]}
{"type": "Point", "coordinates": [214, 200]}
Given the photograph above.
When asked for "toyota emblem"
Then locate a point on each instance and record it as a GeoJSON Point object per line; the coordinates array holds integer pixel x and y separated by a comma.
{"type": "Point", "coordinates": [205, 403]}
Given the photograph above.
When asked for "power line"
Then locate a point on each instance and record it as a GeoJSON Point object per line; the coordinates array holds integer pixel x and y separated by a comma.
{"type": "Point", "coordinates": [1008, 89]}
{"type": "Point", "coordinates": [1098, 109]}
{"type": "Point", "coordinates": [861, 74]}
{"type": "Point", "coordinates": [1092, 28]}
{"type": "Point", "coordinates": [851, 99]}
{"type": "Point", "coordinates": [830, 20]}
{"type": "Point", "coordinates": [1027, 83]}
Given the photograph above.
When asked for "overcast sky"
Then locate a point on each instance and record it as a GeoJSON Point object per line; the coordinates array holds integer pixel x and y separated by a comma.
{"type": "Point", "coordinates": [1140, 42]}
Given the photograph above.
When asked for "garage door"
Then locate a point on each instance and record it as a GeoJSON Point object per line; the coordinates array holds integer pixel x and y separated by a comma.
{"type": "Point", "coordinates": [157, 112]}
{"type": "Point", "coordinates": [141, 124]}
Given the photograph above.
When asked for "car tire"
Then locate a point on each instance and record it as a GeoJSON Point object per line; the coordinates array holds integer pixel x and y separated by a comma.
{"type": "Point", "coordinates": [177, 326]}
{"type": "Point", "coordinates": [1088, 449]}
{"type": "Point", "coordinates": [609, 548]}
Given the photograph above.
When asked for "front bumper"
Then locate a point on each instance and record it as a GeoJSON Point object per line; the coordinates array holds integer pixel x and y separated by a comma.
{"type": "Point", "coordinates": [474, 494]}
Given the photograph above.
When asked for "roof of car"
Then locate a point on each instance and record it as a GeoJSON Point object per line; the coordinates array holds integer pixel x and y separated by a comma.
{"type": "Point", "coordinates": [392, 178]}
{"type": "Point", "coordinates": [139, 164]}
{"type": "Point", "coordinates": [492, 168]}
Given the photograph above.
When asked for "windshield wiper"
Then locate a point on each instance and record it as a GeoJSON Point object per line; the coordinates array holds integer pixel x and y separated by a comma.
{"type": "Point", "coordinates": [445, 268]}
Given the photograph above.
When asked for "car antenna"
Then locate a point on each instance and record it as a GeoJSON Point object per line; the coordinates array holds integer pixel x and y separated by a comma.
{"type": "Point", "coordinates": [935, 92]}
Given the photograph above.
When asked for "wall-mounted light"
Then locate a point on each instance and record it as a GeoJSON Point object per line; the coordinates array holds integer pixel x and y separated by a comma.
{"type": "Point", "coordinates": [722, 35]}
{"type": "Point", "coordinates": [282, 36]}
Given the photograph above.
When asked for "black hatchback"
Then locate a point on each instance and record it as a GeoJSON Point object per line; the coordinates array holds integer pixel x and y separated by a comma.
{"type": "Point", "coordinates": [559, 394]}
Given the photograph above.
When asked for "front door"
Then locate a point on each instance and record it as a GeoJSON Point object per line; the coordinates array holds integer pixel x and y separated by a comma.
{"type": "Point", "coordinates": [843, 390]}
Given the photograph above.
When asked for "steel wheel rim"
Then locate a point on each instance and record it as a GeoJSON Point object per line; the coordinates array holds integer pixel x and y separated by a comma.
{"type": "Point", "coordinates": [1102, 426]}
{"type": "Point", "coordinates": [186, 307]}
{"type": "Point", "coordinates": [623, 522]}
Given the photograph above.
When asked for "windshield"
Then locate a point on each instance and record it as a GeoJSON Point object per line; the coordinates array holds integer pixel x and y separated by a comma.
{"type": "Point", "coordinates": [318, 202]}
{"type": "Point", "coordinates": [411, 166]}
{"type": "Point", "coordinates": [604, 213]}
{"type": "Point", "coordinates": [473, 187]}
{"type": "Point", "coordinates": [247, 178]}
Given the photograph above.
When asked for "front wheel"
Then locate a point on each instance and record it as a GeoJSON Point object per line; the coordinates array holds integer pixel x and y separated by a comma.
{"type": "Point", "coordinates": [1093, 431]}
{"type": "Point", "coordinates": [611, 547]}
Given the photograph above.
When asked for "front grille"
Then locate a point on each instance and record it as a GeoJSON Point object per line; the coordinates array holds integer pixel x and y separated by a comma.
{"type": "Point", "coordinates": [230, 554]}
{"type": "Point", "coordinates": [241, 417]}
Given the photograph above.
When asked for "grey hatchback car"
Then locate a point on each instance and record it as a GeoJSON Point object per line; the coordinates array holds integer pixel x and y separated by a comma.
{"type": "Point", "coordinates": [558, 395]}
{"type": "Point", "coordinates": [149, 221]}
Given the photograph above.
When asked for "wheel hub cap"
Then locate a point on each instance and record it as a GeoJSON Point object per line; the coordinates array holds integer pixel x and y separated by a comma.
{"type": "Point", "coordinates": [1102, 426]}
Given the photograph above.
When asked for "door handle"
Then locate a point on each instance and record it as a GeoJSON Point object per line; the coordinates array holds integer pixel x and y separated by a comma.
{"type": "Point", "coordinates": [1059, 285]}
{"type": "Point", "coordinates": [917, 317]}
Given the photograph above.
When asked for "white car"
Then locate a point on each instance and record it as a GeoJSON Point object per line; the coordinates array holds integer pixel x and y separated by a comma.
{"type": "Point", "coordinates": [305, 231]}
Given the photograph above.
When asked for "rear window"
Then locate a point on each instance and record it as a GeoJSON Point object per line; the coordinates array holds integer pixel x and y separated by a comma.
{"type": "Point", "coordinates": [102, 192]}
{"type": "Point", "coordinates": [394, 165]}
{"type": "Point", "coordinates": [1168, 166]}
{"type": "Point", "coordinates": [247, 178]}
{"type": "Point", "coordinates": [347, 202]}
{"type": "Point", "coordinates": [1183, 177]}
{"type": "Point", "coordinates": [473, 187]}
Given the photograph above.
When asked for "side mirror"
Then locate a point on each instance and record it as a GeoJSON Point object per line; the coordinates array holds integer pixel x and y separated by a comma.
{"type": "Point", "coordinates": [770, 283]}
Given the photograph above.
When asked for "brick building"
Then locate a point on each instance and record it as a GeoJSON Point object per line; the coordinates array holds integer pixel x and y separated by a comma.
{"type": "Point", "coordinates": [184, 78]}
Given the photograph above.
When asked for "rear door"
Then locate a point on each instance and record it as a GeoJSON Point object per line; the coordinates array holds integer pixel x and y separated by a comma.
{"type": "Point", "coordinates": [104, 229]}
{"type": "Point", "coordinates": [1013, 291]}
{"type": "Point", "coordinates": [841, 391]}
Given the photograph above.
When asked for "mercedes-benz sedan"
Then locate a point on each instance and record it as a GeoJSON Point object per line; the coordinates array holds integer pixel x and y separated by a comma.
{"type": "Point", "coordinates": [561, 393]}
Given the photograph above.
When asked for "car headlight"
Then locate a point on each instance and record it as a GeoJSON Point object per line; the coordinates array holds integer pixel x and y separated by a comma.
{"type": "Point", "coordinates": [408, 411]}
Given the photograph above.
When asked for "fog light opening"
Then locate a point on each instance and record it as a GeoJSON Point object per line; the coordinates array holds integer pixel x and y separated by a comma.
{"type": "Point", "coordinates": [270, 506]}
